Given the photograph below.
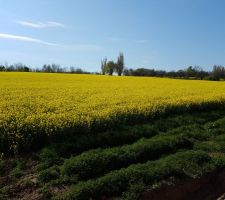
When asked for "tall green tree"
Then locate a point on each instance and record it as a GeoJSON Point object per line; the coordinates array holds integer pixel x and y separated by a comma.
{"type": "Point", "coordinates": [111, 66]}
{"type": "Point", "coordinates": [104, 66]}
{"type": "Point", "coordinates": [120, 64]}
{"type": "Point", "coordinates": [218, 72]}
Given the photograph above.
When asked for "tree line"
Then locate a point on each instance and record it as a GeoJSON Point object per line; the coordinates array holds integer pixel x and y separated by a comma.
{"type": "Point", "coordinates": [216, 74]}
{"type": "Point", "coordinates": [110, 68]}
{"type": "Point", "coordinates": [49, 68]}
{"type": "Point", "coordinates": [196, 72]}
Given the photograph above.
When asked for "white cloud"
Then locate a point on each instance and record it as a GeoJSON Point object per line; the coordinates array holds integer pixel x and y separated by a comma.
{"type": "Point", "coordinates": [40, 25]}
{"type": "Point", "coordinates": [71, 47]}
{"type": "Point", "coordinates": [25, 38]}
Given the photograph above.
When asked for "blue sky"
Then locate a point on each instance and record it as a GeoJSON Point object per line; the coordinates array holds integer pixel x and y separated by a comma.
{"type": "Point", "coordinates": [161, 34]}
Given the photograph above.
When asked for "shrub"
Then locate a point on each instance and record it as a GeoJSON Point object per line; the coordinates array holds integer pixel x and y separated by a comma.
{"type": "Point", "coordinates": [190, 164]}
{"type": "Point", "coordinates": [48, 157]}
{"type": "Point", "coordinates": [49, 174]}
{"type": "Point", "coordinates": [121, 136]}
{"type": "Point", "coordinates": [97, 162]}
{"type": "Point", "coordinates": [18, 169]}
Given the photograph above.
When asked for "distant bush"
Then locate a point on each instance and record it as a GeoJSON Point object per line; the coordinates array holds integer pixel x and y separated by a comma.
{"type": "Point", "coordinates": [19, 67]}
{"type": "Point", "coordinates": [217, 73]}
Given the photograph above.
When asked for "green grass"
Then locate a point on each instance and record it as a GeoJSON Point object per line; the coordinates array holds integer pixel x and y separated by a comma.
{"type": "Point", "coordinates": [18, 169]}
{"type": "Point", "coordinates": [183, 164]}
{"type": "Point", "coordinates": [128, 134]}
{"type": "Point", "coordinates": [128, 160]}
{"type": "Point", "coordinates": [100, 161]}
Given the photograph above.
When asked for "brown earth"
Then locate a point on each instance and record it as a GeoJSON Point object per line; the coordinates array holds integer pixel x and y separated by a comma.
{"type": "Point", "coordinates": [210, 187]}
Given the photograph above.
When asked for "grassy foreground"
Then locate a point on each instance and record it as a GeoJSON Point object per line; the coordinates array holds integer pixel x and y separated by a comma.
{"type": "Point", "coordinates": [38, 108]}
{"type": "Point", "coordinates": [177, 147]}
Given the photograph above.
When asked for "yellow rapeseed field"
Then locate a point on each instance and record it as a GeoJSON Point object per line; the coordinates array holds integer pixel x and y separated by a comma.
{"type": "Point", "coordinates": [47, 104]}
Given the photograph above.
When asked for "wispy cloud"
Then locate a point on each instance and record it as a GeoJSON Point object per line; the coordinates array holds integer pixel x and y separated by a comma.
{"type": "Point", "coordinates": [25, 38]}
{"type": "Point", "coordinates": [40, 25]}
{"type": "Point", "coordinates": [70, 47]}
